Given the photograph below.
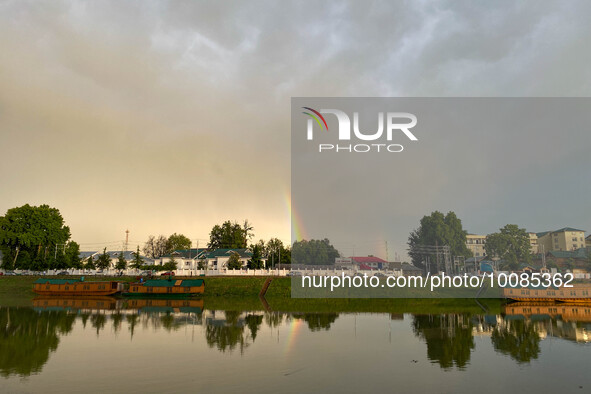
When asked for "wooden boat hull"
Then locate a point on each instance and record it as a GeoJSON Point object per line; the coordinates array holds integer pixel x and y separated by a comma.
{"type": "Point", "coordinates": [180, 288]}
{"type": "Point", "coordinates": [74, 287]}
{"type": "Point", "coordinates": [577, 294]}
{"type": "Point", "coordinates": [177, 296]}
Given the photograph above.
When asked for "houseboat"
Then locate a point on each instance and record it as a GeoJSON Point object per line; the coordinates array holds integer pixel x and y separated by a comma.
{"type": "Point", "coordinates": [166, 287]}
{"type": "Point", "coordinates": [75, 287]}
{"type": "Point", "coordinates": [577, 294]}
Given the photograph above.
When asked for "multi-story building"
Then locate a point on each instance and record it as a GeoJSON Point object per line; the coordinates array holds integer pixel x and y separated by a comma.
{"type": "Point", "coordinates": [533, 243]}
{"type": "Point", "coordinates": [566, 238]}
{"type": "Point", "coordinates": [475, 244]}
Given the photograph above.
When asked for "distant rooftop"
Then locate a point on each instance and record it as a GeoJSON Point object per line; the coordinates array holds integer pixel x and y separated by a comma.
{"type": "Point", "coordinates": [560, 230]}
{"type": "Point", "coordinates": [368, 259]}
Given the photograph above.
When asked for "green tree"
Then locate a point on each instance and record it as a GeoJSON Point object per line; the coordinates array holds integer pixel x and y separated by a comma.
{"type": "Point", "coordinates": [170, 265]}
{"type": "Point", "coordinates": [314, 252]}
{"type": "Point", "coordinates": [34, 230]}
{"type": "Point", "coordinates": [121, 262]}
{"type": "Point", "coordinates": [510, 244]}
{"type": "Point", "coordinates": [72, 254]}
{"type": "Point", "coordinates": [104, 260]}
{"type": "Point", "coordinates": [90, 265]}
{"type": "Point", "coordinates": [285, 255]}
{"type": "Point", "coordinates": [256, 262]}
{"type": "Point", "coordinates": [441, 230]}
{"type": "Point", "coordinates": [234, 262]}
{"type": "Point", "coordinates": [202, 264]}
{"type": "Point", "coordinates": [137, 261]}
{"type": "Point", "coordinates": [274, 247]}
{"type": "Point", "coordinates": [178, 242]}
{"type": "Point", "coordinates": [230, 235]}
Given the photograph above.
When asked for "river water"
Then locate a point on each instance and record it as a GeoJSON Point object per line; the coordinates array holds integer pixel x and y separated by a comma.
{"type": "Point", "coordinates": [153, 346]}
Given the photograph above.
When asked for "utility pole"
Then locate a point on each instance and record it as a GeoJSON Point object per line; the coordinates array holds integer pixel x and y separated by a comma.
{"type": "Point", "coordinates": [126, 239]}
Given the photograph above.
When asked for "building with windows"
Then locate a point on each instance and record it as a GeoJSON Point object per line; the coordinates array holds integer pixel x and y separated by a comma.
{"type": "Point", "coordinates": [564, 239]}
{"type": "Point", "coordinates": [475, 243]}
{"type": "Point", "coordinates": [533, 243]}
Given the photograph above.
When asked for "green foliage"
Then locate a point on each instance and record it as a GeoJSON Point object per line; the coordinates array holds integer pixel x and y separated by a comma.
{"type": "Point", "coordinates": [137, 261]}
{"type": "Point", "coordinates": [285, 257]}
{"type": "Point", "coordinates": [170, 265]}
{"type": "Point", "coordinates": [230, 235]}
{"type": "Point", "coordinates": [90, 265]}
{"type": "Point", "coordinates": [178, 242]}
{"type": "Point", "coordinates": [29, 233]}
{"type": "Point", "coordinates": [72, 255]}
{"type": "Point", "coordinates": [314, 252]}
{"type": "Point", "coordinates": [510, 244]}
{"type": "Point", "coordinates": [438, 229]}
{"type": "Point", "coordinates": [121, 262]}
{"type": "Point", "coordinates": [234, 262]}
{"type": "Point", "coordinates": [256, 262]}
{"type": "Point", "coordinates": [104, 260]}
{"type": "Point", "coordinates": [202, 264]}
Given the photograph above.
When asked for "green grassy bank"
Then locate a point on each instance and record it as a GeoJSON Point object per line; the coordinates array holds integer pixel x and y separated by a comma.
{"type": "Point", "coordinates": [22, 286]}
{"type": "Point", "coordinates": [241, 293]}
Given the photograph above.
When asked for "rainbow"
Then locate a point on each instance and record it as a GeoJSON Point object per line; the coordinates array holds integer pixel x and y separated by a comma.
{"type": "Point", "coordinates": [294, 329]}
{"type": "Point", "coordinates": [316, 117]}
{"type": "Point", "coordinates": [297, 228]}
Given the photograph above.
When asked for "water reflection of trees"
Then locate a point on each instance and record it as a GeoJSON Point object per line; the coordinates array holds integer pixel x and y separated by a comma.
{"type": "Point", "coordinates": [317, 321]}
{"type": "Point", "coordinates": [448, 337]}
{"type": "Point", "coordinates": [519, 339]}
{"type": "Point", "coordinates": [27, 338]}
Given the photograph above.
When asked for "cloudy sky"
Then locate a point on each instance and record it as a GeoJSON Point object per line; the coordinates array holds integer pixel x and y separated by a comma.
{"type": "Point", "coordinates": [163, 117]}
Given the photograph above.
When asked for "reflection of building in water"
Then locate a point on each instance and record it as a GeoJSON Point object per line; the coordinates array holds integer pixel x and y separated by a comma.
{"type": "Point", "coordinates": [572, 322]}
{"type": "Point", "coordinates": [483, 325]}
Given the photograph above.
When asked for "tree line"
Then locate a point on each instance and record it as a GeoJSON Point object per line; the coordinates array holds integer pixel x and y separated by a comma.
{"type": "Point", "coordinates": [510, 245]}
{"type": "Point", "coordinates": [37, 238]}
